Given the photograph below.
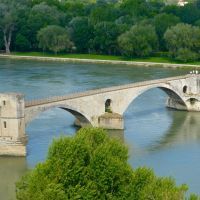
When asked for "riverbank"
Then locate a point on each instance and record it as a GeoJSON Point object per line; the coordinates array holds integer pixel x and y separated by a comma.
{"type": "Point", "coordinates": [100, 59]}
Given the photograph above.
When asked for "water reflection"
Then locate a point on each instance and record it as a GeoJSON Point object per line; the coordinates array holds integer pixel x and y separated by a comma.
{"type": "Point", "coordinates": [184, 129]}
{"type": "Point", "coordinates": [11, 169]}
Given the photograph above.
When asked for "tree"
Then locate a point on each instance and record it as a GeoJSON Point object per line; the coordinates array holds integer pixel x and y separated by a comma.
{"type": "Point", "coordinates": [162, 22]}
{"type": "Point", "coordinates": [54, 38]}
{"type": "Point", "coordinates": [92, 166]}
{"type": "Point", "coordinates": [198, 3]}
{"type": "Point", "coordinates": [22, 43]}
{"type": "Point", "coordinates": [105, 37]}
{"type": "Point", "coordinates": [81, 33]}
{"type": "Point", "coordinates": [169, 2]}
{"type": "Point", "coordinates": [172, 9]}
{"type": "Point", "coordinates": [40, 16]}
{"type": "Point", "coordinates": [140, 40]}
{"type": "Point", "coordinates": [9, 10]}
{"type": "Point", "coordinates": [137, 8]}
{"type": "Point", "coordinates": [1, 40]}
{"type": "Point", "coordinates": [183, 42]}
{"type": "Point", "coordinates": [103, 12]}
{"type": "Point", "coordinates": [189, 13]}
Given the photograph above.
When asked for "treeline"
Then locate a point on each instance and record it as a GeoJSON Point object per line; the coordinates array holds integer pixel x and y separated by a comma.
{"type": "Point", "coordinates": [132, 28]}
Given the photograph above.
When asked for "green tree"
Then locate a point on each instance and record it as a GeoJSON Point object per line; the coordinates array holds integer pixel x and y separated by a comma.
{"type": "Point", "coordinates": [103, 12]}
{"type": "Point", "coordinates": [140, 40]}
{"type": "Point", "coordinates": [105, 37]}
{"type": "Point", "coordinates": [138, 8]}
{"type": "Point", "coordinates": [1, 40]}
{"type": "Point", "coordinates": [81, 33]}
{"type": "Point", "coordinates": [172, 9]}
{"type": "Point", "coordinates": [162, 22]}
{"type": "Point", "coordinates": [198, 3]}
{"type": "Point", "coordinates": [189, 13]}
{"type": "Point", "coordinates": [9, 11]}
{"type": "Point", "coordinates": [183, 42]}
{"type": "Point", "coordinates": [75, 8]}
{"type": "Point", "coordinates": [169, 2]}
{"type": "Point", "coordinates": [92, 166]}
{"type": "Point", "coordinates": [22, 43]}
{"type": "Point", "coordinates": [54, 38]}
{"type": "Point", "coordinates": [40, 16]}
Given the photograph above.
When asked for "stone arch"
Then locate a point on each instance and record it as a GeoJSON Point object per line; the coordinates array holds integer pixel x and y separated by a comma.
{"type": "Point", "coordinates": [32, 112]}
{"type": "Point", "coordinates": [171, 92]}
{"type": "Point", "coordinates": [174, 95]}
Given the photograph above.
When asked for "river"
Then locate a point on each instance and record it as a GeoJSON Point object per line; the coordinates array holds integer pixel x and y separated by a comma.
{"type": "Point", "coordinates": [166, 140]}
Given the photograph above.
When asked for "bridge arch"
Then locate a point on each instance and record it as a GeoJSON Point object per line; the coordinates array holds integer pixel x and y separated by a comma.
{"type": "Point", "coordinates": [34, 112]}
{"type": "Point", "coordinates": [170, 91]}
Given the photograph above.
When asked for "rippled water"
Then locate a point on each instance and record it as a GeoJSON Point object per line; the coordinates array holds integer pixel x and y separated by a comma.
{"type": "Point", "coordinates": [166, 140]}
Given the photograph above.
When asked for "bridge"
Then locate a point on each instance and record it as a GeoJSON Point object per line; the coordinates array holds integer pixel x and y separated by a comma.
{"type": "Point", "coordinates": [99, 108]}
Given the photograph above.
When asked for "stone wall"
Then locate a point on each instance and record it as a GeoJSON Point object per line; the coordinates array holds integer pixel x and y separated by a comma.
{"type": "Point", "coordinates": [12, 125]}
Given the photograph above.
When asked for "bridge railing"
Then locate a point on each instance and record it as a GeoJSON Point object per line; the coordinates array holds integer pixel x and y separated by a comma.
{"type": "Point", "coordinates": [98, 91]}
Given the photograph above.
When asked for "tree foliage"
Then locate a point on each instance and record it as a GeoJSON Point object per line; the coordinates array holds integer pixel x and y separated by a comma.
{"type": "Point", "coordinates": [105, 37]}
{"type": "Point", "coordinates": [162, 22]}
{"type": "Point", "coordinates": [93, 166]}
{"type": "Point", "coordinates": [139, 41]}
{"type": "Point", "coordinates": [38, 20]}
{"type": "Point", "coordinates": [183, 42]}
{"type": "Point", "coordinates": [54, 38]}
{"type": "Point", "coordinates": [9, 11]}
{"type": "Point", "coordinates": [94, 25]}
{"type": "Point", "coordinates": [81, 33]}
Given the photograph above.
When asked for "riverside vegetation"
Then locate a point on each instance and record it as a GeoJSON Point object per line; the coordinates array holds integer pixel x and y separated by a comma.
{"type": "Point", "coordinates": [91, 165]}
{"type": "Point", "coordinates": [129, 28]}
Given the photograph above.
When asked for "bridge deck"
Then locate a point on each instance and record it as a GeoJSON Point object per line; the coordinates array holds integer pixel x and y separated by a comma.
{"type": "Point", "coordinates": [98, 91]}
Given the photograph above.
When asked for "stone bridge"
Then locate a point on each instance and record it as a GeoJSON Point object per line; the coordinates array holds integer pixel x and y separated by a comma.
{"type": "Point", "coordinates": [99, 108]}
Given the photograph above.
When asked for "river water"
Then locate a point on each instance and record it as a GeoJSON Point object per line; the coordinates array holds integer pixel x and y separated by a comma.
{"type": "Point", "coordinates": [166, 140]}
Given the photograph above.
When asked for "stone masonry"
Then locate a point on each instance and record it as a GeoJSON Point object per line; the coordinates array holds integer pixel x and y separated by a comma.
{"type": "Point", "coordinates": [89, 108]}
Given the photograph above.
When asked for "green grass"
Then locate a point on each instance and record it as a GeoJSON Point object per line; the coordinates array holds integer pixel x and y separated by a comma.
{"type": "Point", "coordinates": [155, 59]}
{"type": "Point", "coordinates": [78, 56]}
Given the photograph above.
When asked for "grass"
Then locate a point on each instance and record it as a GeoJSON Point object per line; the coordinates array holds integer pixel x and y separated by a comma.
{"type": "Point", "coordinates": [78, 56]}
{"type": "Point", "coordinates": [155, 59]}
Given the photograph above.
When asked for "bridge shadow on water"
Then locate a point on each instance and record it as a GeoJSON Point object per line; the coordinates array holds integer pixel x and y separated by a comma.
{"type": "Point", "coordinates": [184, 129]}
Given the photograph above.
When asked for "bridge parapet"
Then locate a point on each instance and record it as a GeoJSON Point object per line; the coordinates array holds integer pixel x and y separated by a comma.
{"type": "Point", "coordinates": [99, 91]}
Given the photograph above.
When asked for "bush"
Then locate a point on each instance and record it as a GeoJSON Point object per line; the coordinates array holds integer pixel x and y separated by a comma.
{"type": "Point", "coordinates": [185, 55]}
{"type": "Point", "coordinates": [93, 166]}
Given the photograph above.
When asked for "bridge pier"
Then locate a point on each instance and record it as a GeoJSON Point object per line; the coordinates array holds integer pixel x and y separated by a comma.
{"type": "Point", "coordinates": [111, 121]}
{"type": "Point", "coordinates": [12, 125]}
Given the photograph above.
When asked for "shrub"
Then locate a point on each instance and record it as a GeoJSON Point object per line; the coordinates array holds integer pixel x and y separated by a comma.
{"type": "Point", "coordinates": [92, 166]}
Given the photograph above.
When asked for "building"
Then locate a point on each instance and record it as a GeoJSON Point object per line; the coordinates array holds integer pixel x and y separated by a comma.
{"type": "Point", "coordinates": [182, 2]}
